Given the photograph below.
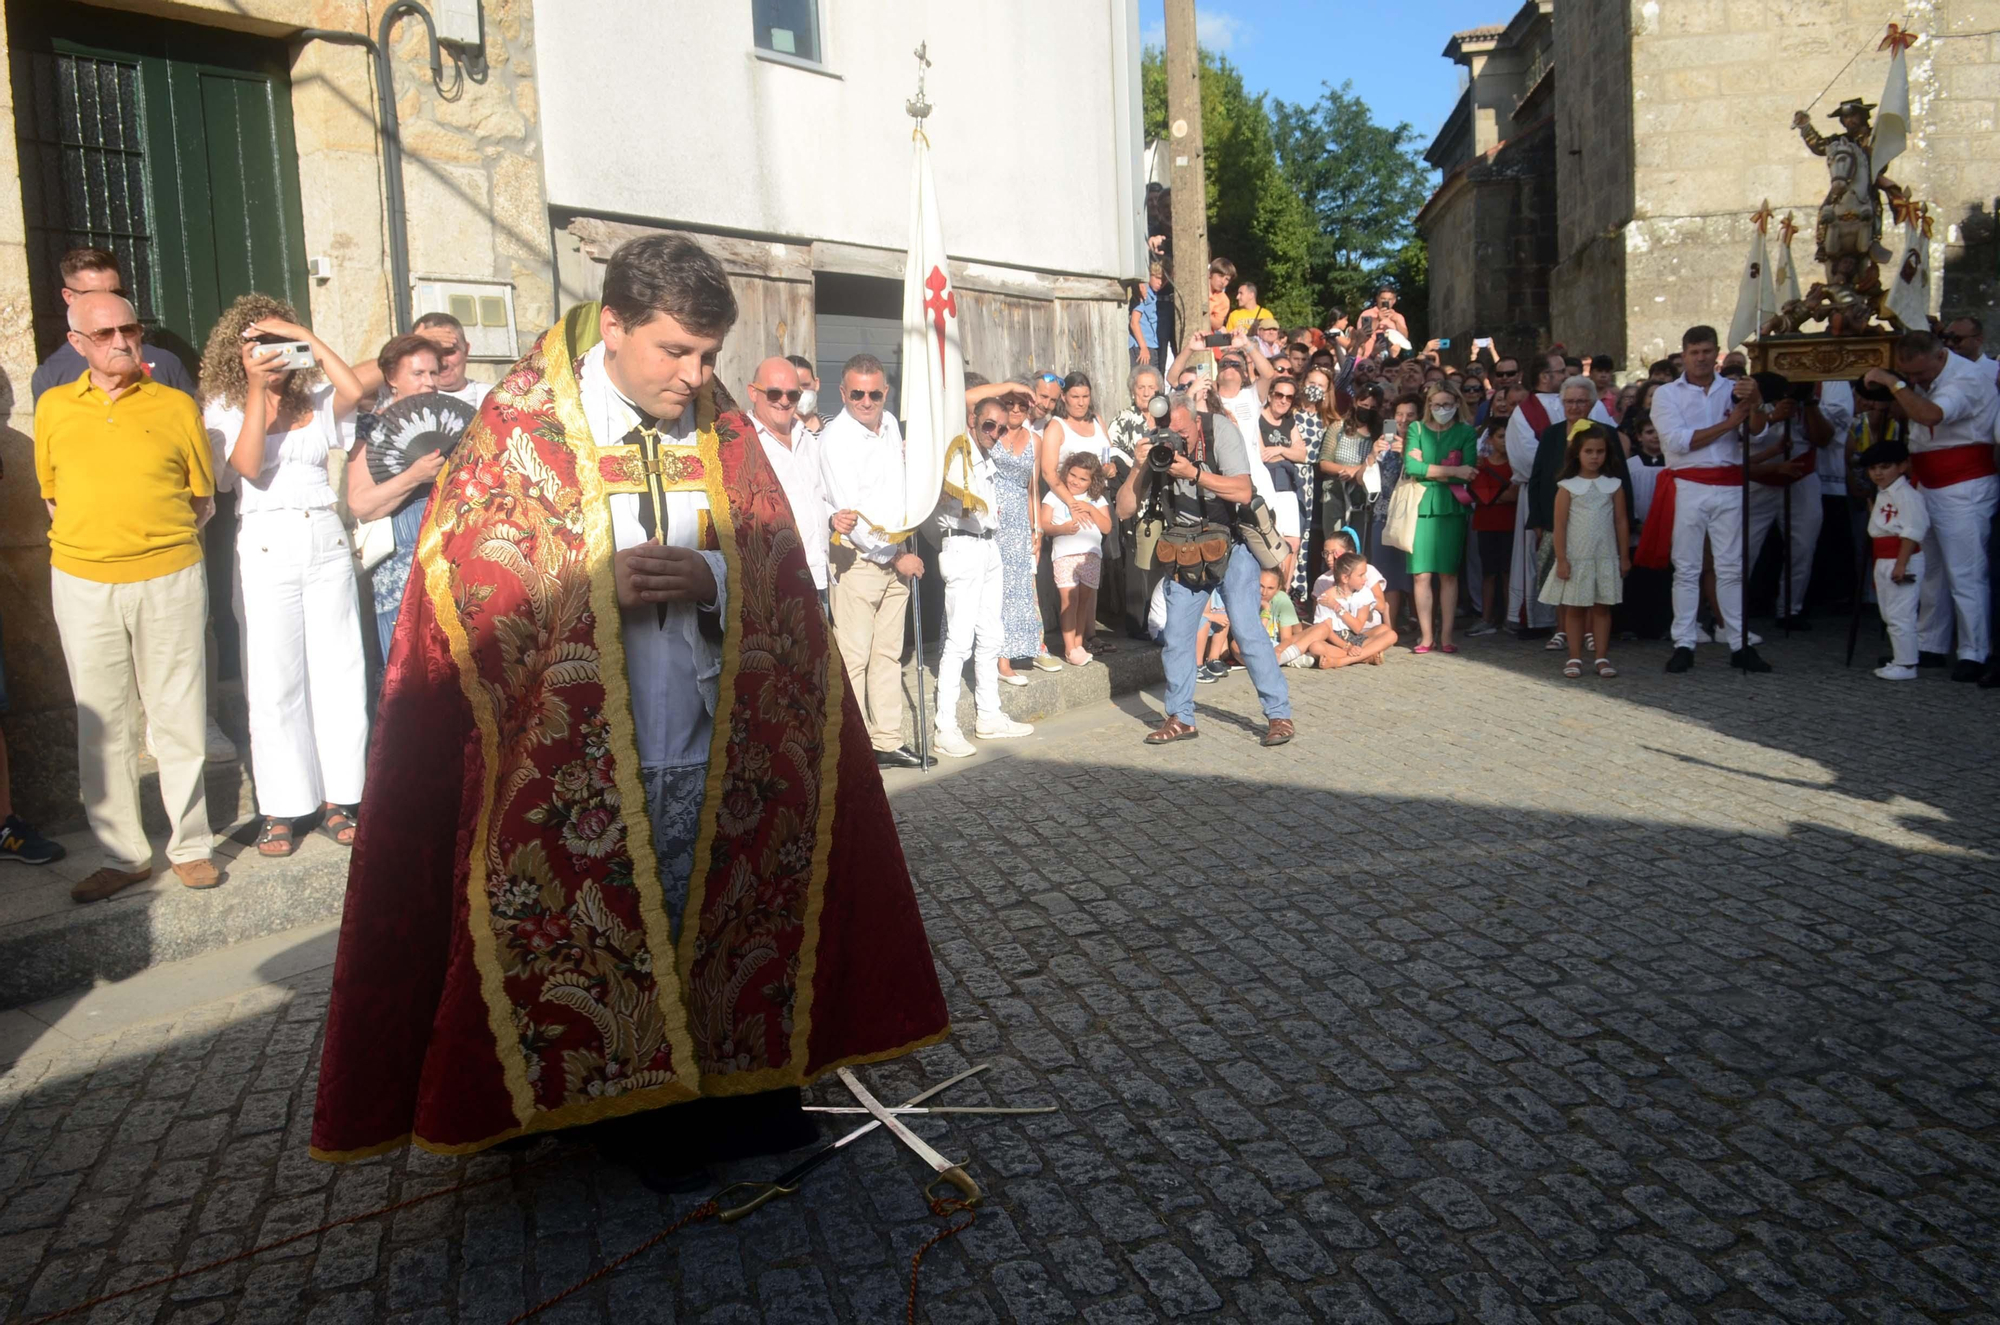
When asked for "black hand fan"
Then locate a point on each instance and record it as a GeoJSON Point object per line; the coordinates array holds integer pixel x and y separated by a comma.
{"type": "Point", "coordinates": [408, 429]}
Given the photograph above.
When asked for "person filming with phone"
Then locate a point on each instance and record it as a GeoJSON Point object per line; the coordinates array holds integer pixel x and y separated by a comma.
{"type": "Point", "coordinates": [277, 400]}
{"type": "Point", "coordinates": [1191, 476]}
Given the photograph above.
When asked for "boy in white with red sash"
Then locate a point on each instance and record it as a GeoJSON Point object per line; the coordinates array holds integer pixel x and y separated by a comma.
{"type": "Point", "coordinates": [1698, 500]}
{"type": "Point", "coordinates": [1897, 527]}
{"type": "Point", "coordinates": [1951, 407]}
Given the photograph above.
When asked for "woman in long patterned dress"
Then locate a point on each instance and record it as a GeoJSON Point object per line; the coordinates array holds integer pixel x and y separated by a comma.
{"type": "Point", "coordinates": [1017, 487]}
{"type": "Point", "coordinates": [1316, 410]}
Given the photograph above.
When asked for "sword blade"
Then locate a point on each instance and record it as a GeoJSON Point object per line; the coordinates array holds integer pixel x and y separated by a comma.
{"type": "Point", "coordinates": [922, 1148]}
{"type": "Point", "coordinates": [902, 1109]}
{"type": "Point", "coordinates": [791, 1176]}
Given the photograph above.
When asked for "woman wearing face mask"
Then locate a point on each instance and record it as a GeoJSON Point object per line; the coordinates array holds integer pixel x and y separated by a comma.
{"type": "Point", "coordinates": [1316, 416]}
{"type": "Point", "coordinates": [1439, 454]}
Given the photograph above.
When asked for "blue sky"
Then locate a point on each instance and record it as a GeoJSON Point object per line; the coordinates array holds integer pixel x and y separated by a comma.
{"type": "Point", "coordinates": [1388, 48]}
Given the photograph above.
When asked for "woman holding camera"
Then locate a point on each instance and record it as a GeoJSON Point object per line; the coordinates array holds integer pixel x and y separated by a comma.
{"type": "Point", "coordinates": [276, 398]}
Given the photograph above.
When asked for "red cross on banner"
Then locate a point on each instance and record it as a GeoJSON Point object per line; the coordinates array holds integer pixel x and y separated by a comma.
{"type": "Point", "coordinates": [940, 303]}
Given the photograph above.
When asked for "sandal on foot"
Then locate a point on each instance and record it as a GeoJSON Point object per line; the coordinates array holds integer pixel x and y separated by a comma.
{"type": "Point", "coordinates": [338, 823]}
{"type": "Point", "coordinates": [1421, 648]}
{"type": "Point", "coordinates": [1604, 668]}
{"type": "Point", "coordinates": [275, 839]}
{"type": "Point", "coordinates": [1573, 668]}
{"type": "Point", "coordinates": [1447, 648]}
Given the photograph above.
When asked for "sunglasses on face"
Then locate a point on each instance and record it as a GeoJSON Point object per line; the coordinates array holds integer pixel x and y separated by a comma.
{"type": "Point", "coordinates": [989, 427]}
{"type": "Point", "coordinates": [130, 331]}
{"type": "Point", "coordinates": [871, 396]}
{"type": "Point", "coordinates": [777, 396]}
{"type": "Point", "coordinates": [1506, 372]}
{"type": "Point", "coordinates": [1284, 397]}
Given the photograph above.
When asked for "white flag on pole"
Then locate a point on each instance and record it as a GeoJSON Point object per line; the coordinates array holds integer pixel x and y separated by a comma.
{"type": "Point", "coordinates": [1756, 294]}
{"type": "Point", "coordinates": [1892, 117]}
{"type": "Point", "coordinates": [1786, 277]}
{"type": "Point", "coordinates": [933, 360]}
{"type": "Point", "coordinates": [1909, 281]}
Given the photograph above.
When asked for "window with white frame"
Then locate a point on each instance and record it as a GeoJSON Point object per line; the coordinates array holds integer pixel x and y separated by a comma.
{"type": "Point", "coordinates": [787, 27]}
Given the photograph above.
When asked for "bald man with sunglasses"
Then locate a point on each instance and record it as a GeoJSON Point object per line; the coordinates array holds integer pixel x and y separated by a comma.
{"type": "Point", "coordinates": [793, 450]}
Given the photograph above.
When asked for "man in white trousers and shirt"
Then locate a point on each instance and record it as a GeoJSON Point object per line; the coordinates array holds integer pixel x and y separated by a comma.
{"type": "Point", "coordinates": [1702, 420]}
{"type": "Point", "coordinates": [1785, 492]}
{"type": "Point", "coordinates": [861, 457]}
{"type": "Point", "coordinates": [969, 558]}
{"type": "Point", "coordinates": [793, 451]}
{"type": "Point", "coordinates": [1951, 406]}
{"type": "Point", "coordinates": [1524, 438]}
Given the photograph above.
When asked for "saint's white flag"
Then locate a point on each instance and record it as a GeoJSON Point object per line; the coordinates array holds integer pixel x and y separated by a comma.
{"type": "Point", "coordinates": [933, 359]}
{"type": "Point", "coordinates": [1756, 295]}
{"type": "Point", "coordinates": [1786, 277]}
{"type": "Point", "coordinates": [1892, 117]}
{"type": "Point", "coordinates": [1909, 281]}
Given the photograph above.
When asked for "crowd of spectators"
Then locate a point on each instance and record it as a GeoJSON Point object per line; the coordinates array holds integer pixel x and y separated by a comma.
{"type": "Point", "coordinates": [1263, 498]}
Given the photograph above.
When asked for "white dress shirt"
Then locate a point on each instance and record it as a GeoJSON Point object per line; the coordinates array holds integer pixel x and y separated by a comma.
{"type": "Point", "coordinates": [951, 517]}
{"type": "Point", "coordinates": [1836, 406]}
{"type": "Point", "coordinates": [673, 668]}
{"type": "Point", "coordinates": [1968, 398]}
{"type": "Point", "coordinates": [1681, 409]}
{"type": "Point", "coordinates": [294, 476]}
{"type": "Point", "coordinates": [472, 393]}
{"type": "Point", "coordinates": [864, 472]}
{"type": "Point", "coordinates": [798, 469]}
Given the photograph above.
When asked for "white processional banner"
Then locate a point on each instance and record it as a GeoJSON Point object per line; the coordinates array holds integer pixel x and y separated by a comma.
{"type": "Point", "coordinates": [1757, 294]}
{"type": "Point", "coordinates": [1909, 294]}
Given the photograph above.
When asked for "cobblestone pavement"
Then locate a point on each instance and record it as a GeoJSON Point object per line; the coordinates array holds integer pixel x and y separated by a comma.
{"type": "Point", "coordinates": [1492, 998]}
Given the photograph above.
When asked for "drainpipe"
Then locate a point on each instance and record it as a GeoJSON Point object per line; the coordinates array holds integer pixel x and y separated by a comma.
{"type": "Point", "coordinates": [392, 135]}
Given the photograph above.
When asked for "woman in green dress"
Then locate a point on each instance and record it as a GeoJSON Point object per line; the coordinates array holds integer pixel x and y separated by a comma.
{"type": "Point", "coordinates": [1440, 454]}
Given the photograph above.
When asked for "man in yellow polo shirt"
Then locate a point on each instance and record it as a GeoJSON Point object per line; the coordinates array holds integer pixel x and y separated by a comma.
{"type": "Point", "coordinates": [126, 471]}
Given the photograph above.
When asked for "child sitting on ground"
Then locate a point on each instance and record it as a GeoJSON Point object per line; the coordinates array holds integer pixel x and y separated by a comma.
{"type": "Point", "coordinates": [1278, 615]}
{"type": "Point", "coordinates": [1350, 617]}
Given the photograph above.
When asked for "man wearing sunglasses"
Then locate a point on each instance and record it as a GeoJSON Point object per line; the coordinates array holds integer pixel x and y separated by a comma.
{"type": "Point", "coordinates": [1966, 337]}
{"type": "Point", "coordinates": [129, 479]}
{"type": "Point", "coordinates": [91, 271]}
{"type": "Point", "coordinates": [794, 453]}
{"type": "Point", "coordinates": [861, 457]}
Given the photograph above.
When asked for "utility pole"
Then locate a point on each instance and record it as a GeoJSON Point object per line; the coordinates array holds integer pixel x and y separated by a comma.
{"type": "Point", "coordinates": [1189, 177]}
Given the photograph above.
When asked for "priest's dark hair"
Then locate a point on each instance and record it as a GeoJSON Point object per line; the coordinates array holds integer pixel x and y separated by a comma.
{"type": "Point", "coordinates": [673, 275]}
{"type": "Point", "coordinates": [1700, 335]}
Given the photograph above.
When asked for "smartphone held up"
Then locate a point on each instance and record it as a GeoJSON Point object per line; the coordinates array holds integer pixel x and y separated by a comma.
{"type": "Point", "coordinates": [291, 356]}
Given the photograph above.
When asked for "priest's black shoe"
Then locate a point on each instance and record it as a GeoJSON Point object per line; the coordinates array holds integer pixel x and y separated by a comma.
{"type": "Point", "coordinates": [1682, 660]}
{"type": "Point", "coordinates": [900, 757]}
{"type": "Point", "coordinates": [1747, 659]}
{"type": "Point", "coordinates": [1929, 659]}
{"type": "Point", "coordinates": [1965, 669]}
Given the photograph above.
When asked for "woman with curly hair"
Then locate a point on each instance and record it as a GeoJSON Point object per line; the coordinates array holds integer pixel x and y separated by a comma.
{"type": "Point", "coordinates": [304, 674]}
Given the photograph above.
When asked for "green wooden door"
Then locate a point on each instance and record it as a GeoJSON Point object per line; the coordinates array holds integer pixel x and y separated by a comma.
{"type": "Point", "coordinates": [169, 144]}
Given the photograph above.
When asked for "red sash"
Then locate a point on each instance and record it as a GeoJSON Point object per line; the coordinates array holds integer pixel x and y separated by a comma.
{"type": "Point", "coordinates": [1656, 539]}
{"type": "Point", "coordinates": [1536, 413]}
{"type": "Point", "coordinates": [1888, 547]}
{"type": "Point", "coordinates": [1953, 464]}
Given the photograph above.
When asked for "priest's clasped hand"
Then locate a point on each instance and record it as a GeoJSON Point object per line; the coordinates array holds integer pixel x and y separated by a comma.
{"type": "Point", "coordinates": [658, 573]}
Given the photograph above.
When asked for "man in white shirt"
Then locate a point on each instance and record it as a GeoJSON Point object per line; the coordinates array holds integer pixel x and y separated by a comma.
{"type": "Point", "coordinates": [1702, 419]}
{"type": "Point", "coordinates": [1966, 337]}
{"type": "Point", "coordinates": [861, 457]}
{"type": "Point", "coordinates": [448, 334]}
{"type": "Point", "coordinates": [965, 524]}
{"type": "Point", "coordinates": [774, 394]}
{"type": "Point", "coordinates": [1785, 492]}
{"type": "Point", "coordinates": [1951, 405]}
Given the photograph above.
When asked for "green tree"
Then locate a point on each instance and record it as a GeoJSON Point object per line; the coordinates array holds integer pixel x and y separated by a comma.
{"type": "Point", "coordinates": [1255, 219]}
{"type": "Point", "coordinates": [1362, 184]}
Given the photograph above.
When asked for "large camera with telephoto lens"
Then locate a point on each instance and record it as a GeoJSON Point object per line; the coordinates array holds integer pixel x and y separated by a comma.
{"type": "Point", "coordinates": [1164, 441]}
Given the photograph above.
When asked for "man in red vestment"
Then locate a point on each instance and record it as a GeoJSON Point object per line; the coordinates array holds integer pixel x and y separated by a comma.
{"type": "Point", "coordinates": [597, 871]}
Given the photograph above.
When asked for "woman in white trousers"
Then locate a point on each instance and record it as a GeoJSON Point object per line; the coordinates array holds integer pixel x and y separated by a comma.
{"type": "Point", "coordinates": [276, 426]}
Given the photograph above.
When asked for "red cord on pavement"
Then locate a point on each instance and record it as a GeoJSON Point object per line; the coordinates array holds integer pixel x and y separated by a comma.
{"type": "Point", "coordinates": [942, 1207]}
{"type": "Point", "coordinates": [706, 1210]}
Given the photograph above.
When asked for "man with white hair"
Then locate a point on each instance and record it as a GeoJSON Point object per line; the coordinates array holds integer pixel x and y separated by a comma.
{"type": "Point", "coordinates": [1532, 417]}
{"type": "Point", "coordinates": [127, 474]}
{"type": "Point", "coordinates": [794, 453]}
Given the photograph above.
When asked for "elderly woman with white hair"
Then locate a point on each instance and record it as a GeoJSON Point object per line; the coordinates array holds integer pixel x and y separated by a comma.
{"type": "Point", "coordinates": [1580, 400]}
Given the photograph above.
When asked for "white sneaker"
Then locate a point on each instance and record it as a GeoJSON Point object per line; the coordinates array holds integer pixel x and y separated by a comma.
{"type": "Point", "coordinates": [1048, 662]}
{"type": "Point", "coordinates": [1755, 639]}
{"type": "Point", "coordinates": [1892, 672]}
{"type": "Point", "coordinates": [1000, 727]}
{"type": "Point", "coordinates": [951, 741]}
{"type": "Point", "coordinates": [1288, 655]}
{"type": "Point", "coordinates": [1013, 679]}
{"type": "Point", "coordinates": [221, 750]}
{"type": "Point", "coordinates": [1303, 660]}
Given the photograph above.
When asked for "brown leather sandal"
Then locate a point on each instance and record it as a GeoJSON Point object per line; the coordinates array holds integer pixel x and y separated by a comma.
{"type": "Point", "coordinates": [1173, 729]}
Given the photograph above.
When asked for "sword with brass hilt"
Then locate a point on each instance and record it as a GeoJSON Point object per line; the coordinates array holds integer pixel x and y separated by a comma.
{"type": "Point", "coordinates": [759, 1193]}
{"type": "Point", "coordinates": [944, 1168]}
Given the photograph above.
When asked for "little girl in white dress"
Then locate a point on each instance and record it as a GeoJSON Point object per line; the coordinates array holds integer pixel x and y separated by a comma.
{"type": "Point", "coordinates": [1592, 543]}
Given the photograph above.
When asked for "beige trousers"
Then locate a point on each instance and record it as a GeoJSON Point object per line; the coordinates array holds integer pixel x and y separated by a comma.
{"type": "Point", "coordinates": [869, 603]}
{"type": "Point", "coordinates": [133, 649]}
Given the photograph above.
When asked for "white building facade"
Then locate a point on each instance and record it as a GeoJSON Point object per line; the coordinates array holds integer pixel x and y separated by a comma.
{"type": "Point", "coordinates": [774, 131]}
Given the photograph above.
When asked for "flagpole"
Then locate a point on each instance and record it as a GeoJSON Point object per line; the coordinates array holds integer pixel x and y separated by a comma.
{"type": "Point", "coordinates": [918, 109]}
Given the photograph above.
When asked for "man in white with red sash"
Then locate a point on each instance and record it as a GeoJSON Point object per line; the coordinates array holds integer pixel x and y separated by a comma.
{"type": "Point", "coordinates": [1702, 420]}
{"type": "Point", "coordinates": [1785, 490]}
{"type": "Point", "coordinates": [1951, 407]}
{"type": "Point", "coordinates": [1531, 419]}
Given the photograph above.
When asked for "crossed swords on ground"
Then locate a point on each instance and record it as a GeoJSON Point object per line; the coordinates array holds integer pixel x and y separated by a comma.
{"type": "Point", "coordinates": [758, 1193]}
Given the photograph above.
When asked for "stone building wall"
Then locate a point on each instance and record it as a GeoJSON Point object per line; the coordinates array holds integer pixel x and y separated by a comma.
{"type": "Point", "coordinates": [1713, 87]}
{"type": "Point", "coordinates": [476, 208]}
{"type": "Point", "coordinates": [1491, 233]}
{"type": "Point", "coordinates": [1593, 170]}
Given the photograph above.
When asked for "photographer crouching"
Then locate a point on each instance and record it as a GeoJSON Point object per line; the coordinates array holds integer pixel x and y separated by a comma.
{"type": "Point", "coordinates": [1191, 486]}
